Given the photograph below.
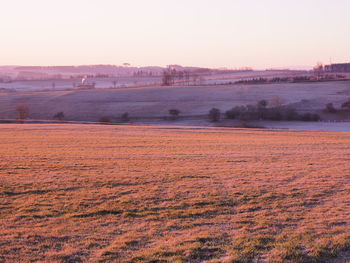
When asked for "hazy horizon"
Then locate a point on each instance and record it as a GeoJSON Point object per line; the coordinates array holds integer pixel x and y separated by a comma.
{"type": "Point", "coordinates": [232, 34]}
{"type": "Point", "coordinates": [292, 67]}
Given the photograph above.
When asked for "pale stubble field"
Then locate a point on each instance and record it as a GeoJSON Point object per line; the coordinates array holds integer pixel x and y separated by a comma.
{"type": "Point", "coordinates": [90, 193]}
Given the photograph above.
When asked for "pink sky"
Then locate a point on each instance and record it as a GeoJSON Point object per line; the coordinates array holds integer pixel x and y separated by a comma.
{"type": "Point", "coordinates": [221, 33]}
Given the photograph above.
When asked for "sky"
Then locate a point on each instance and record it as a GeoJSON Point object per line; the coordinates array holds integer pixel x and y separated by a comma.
{"type": "Point", "coordinates": [207, 33]}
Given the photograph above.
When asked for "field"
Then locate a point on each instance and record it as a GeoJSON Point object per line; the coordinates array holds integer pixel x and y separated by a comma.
{"type": "Point", "coordinates": [100, 193]}
{"type": "Point", "coordinates": [151, 104]}
{"type": "Point", "coordinates": [132, 81]}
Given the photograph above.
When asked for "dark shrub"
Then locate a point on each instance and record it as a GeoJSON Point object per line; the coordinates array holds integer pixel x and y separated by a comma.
{"type": "Point", "coordinates": [330, 108]}
{"type": "Point", "coordinates": [261, 112]}
{"type": "Point", "coordinates": [315, 117]}
{"type": "Point", "coordinates": [234, 113]}
{"type": "Point", "coordinates": [292, 115]}
{"type": "Point", "coordinates": [310, 117]}
{"type": "Point", "coordinates": [262, 104]}
{"type": "Point", "coordinates": [274, 114]}
{"type": "Point", "coordinates": [104, 119]}
{"type": "Point", "coordinates": [306, 117]}
{"type": "Point", "coordinates": [125, 117]}
{"type": "Point", "coordinates": [346, 104]}
{"type": "Point", "coordinates": [229, 114]}
{"type": "Point", "coordinates": [59, 116]}
{"type": "Point", "coordinates": [174, 113]}
{"type": "Point", "coordinates": [214, 115]}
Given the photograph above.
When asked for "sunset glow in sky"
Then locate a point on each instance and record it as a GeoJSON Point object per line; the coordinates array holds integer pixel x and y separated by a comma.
{"type": "Point", "coordinates": [209, 33]}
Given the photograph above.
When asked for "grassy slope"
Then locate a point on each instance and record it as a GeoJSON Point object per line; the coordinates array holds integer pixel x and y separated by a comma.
{"type": "Point", "coordinates": [156, 101]}
{"type": "Point", "coordinates": [72, 193]}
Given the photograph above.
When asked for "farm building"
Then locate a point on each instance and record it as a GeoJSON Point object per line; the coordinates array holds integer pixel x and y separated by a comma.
{"type": "Point", "coordinates": [341, 67]}
{"type": "Point", "coordinates": [85, 85]}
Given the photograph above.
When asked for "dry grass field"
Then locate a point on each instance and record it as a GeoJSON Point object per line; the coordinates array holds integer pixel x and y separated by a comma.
{"type": "Point", "coordinates": [95, 193]}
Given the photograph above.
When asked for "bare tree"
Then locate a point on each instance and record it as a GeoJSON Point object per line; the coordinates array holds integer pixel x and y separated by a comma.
{"type": "Point", "coordinates": [167, 78]}
{"type": "Point", "coordinates": [187, 77]}
{"type": "Point", "coordinates": [195, 78]}
{"type": "Point", "coordinates": [22, 111]}
{"type": "Point", "coordinates": [114, 82]}
{"type": "Point", "coordinates": [318, 70]}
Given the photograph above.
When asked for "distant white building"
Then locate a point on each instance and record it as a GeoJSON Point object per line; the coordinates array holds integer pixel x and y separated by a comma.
{"type": "Point", "coordinates": [86, 85]}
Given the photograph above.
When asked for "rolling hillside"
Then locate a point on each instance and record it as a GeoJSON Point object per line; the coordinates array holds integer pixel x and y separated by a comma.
{"type": "Point", "coordinates": [154, 102]}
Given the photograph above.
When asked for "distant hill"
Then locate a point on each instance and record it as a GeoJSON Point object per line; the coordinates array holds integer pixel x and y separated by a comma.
{"type": "Point", "coordinates": [40, 72]}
